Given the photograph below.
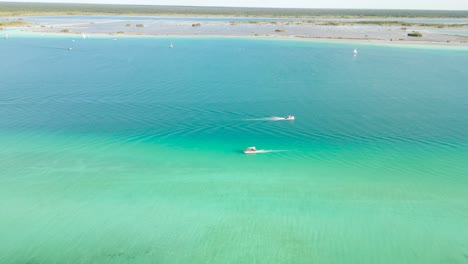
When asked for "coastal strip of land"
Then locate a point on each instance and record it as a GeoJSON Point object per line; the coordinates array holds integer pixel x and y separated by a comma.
{"type": "Point", "coordinates": [403, 27]}
{"type": "Point", "coordinates": [43, 9]}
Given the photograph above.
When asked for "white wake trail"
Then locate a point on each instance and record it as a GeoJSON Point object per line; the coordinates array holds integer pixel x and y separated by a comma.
{"type": "Point", "coordinates": [270, 150]}
{"type": "Point", "coordinates": [272, 118]}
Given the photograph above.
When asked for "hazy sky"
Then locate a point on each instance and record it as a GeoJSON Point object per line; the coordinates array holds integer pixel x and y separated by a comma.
{"type": "Point", "coordinates": [378, 4]}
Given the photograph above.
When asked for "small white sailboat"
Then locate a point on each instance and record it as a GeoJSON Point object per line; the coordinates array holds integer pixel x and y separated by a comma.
{"type": "Point", "coordinates": [83, 35]}
{"type": "Point", "coordinates": [355, 52]}
{"type": "Point", "coordinates": [171, 46]}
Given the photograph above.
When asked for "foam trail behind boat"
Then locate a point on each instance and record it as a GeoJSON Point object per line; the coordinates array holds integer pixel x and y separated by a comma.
{"type": "Point", "coordinates": [269, 150]}
{"type": "Point", "coordinates": [272, 118]}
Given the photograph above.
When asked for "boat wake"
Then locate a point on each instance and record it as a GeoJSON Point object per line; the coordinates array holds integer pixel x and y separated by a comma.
{"type": "Point", "coordinates": [272, 118]}
{"type": "Point", "coordinates": [269, 150]}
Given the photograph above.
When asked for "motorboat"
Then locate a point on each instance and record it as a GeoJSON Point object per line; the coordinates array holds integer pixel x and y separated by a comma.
{"type": "Point", "coordinates": [355, 52]}
{"type": "Point", "coordinates": [250, 150]}
{"type": "Point", "coordinates": [289, 117]}
{"type": "Point", "coordinates": [171, 46]}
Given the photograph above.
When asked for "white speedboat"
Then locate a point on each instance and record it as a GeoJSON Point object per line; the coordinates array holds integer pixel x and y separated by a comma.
{"type": "Point", "coordinates": [289, 117]}
{"type": "Point", "coordinates": [355, 52]}
{"type": "Point", "coordinates": [250, 150]}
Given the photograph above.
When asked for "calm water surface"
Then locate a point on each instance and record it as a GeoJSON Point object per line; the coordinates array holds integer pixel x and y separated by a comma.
{"type": "Point", "coordinates": [128, 151]}
{"type": "Point", "coordinates": [49, 19]}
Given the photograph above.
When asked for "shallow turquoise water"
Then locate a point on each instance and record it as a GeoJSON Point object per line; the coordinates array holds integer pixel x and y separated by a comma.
{"type": "Point", "coordinates": [455, 32]}
{"type": "Point", "coordinates": [128, 151]}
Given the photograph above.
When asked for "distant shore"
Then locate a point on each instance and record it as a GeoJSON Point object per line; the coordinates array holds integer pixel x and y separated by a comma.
{"type": "Point", "coordinates": [373, 31]}
{"type": "Point", "coordinates": [382, 26]}
{"type": "Point", "coordinates": [9, 9]}
{"type": "Point", "coordinates": [23, 33]}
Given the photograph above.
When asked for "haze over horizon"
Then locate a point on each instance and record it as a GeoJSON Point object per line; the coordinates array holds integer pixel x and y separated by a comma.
{"type": "Point", "coordinates": [338, 4]}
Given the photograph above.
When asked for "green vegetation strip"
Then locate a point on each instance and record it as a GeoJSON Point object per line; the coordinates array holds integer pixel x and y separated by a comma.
{"type": "Point", "coordinates": [25, 9]}
{"type": "Point", "coordinates": [415, 34]}
{"type": "Point", "coordinates": [13, 24]}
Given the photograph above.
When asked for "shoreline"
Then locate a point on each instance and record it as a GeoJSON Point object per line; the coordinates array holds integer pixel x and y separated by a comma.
{"type": "Point", "coordinates": [359, 41]}
{"type": "Point", "coordinates": [386, 33]}
{"type": "Point", "coordinates": [27, 9]}
{"type": "Point", "coordinates": [172, 15]}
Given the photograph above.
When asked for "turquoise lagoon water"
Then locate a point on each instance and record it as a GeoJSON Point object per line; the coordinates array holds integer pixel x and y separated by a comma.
{"type": "Point", "coordinates": [455, 32]}
{"type": "Point", "coordinates": [127, 151]}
